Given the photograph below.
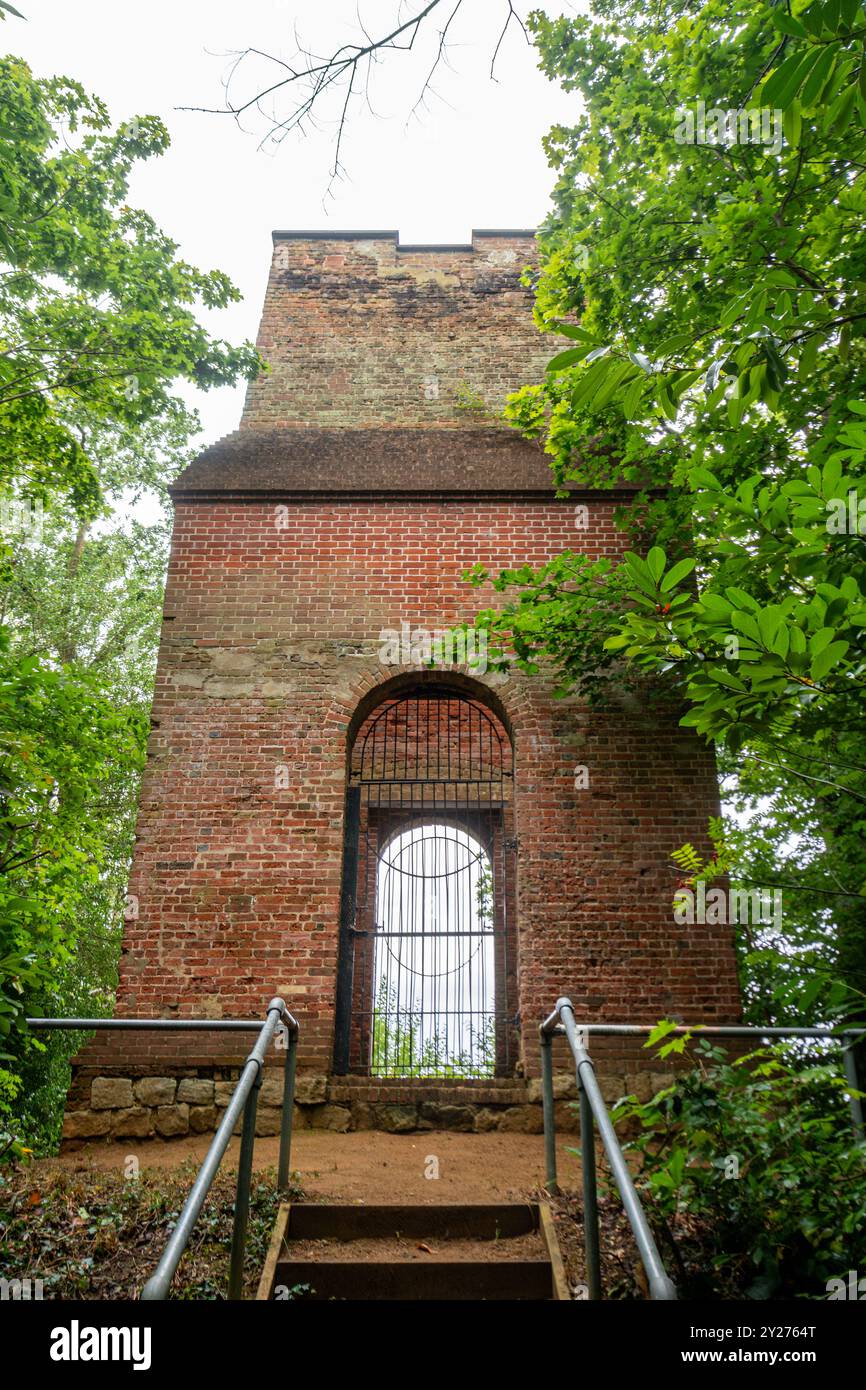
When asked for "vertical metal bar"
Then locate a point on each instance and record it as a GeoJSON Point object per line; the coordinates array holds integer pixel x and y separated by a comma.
{"type": "Point", "coordinates": [852, 1076]}
{"type": "Point", "coordinates": [288, 1112]}
{"type": "Point", "coordinates": [549, 1113]}
{"type": "Point", "coordinates": [346, 959]}
{"type": "Point", "coordinates": [242, 1194]}
{"type": "Point", "coordinates": [590, 1195]}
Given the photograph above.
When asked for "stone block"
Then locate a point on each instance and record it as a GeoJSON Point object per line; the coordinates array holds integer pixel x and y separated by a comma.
{"type": "Point", "coordinates": [334, 1117]}
{"type": "Point", "coordinates": [136, 1123]}
{"type": "Point", "coordinates": [155, 1090]}
{"type": "Point", "coordinates": [311, 1090]}
{"type": "Point", "coordinates": [86, 1124]}
{"type": "Point", "coordinates": [222, 1092]}
{"type": "Point", "coordinates": [395, 1119]}
{"type": "Point", "coordinates": [111, 1093]}
{"type": "Point", "coordinates": [521, 1119]}
{"type": "Point", "coordinates": [564, 1087]}
{"type": "Point", "coordinates": [203, 1119]}
{"type": "Point", "coordinates": [437, 1115]}
{"type": "Point", "coordinates": [193, 1091]}
{"type": "Point", "coordinates": [171, 1120]}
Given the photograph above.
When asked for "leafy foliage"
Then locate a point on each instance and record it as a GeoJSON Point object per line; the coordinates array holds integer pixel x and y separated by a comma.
{"type": "Point", "coordinates": [99, 1235]}
{"type": "Point", "coordinates": [761, 1154]}
{"type": "Point", "coordinates": [400, 1047]}
{"type": "Point", "coordinates": [99, 322]}
{"type": "Point", "coordinates": [97, 313]}
{"type": "Point", "coordinates": [710, 286]}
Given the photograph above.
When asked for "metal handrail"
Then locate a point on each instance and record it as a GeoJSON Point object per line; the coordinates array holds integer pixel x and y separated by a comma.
{"type": "Point", "coordinates": [592, 1107]}
{"type": "Point", "coordinates": [244, 1098]}
{"type": "Point", "coordinates": [562, 1022]}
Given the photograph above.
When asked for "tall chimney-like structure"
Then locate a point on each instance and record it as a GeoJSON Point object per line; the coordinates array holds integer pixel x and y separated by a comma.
{"type": "Point", "coordinates": [343, 803]}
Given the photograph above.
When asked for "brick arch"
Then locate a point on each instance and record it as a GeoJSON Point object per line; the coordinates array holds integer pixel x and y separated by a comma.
{"type": "Point", "coordinates": [444, 756]}
{"type": "Point", "coordinates": [510, 703]}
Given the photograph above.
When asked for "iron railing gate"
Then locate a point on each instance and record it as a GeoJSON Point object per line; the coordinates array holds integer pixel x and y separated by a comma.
{"type": "Point", "coordinates": [426, 981]}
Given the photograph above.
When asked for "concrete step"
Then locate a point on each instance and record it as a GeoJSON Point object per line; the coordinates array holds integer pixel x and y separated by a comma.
{"type": "Point", "coordinates": [451, 1252]}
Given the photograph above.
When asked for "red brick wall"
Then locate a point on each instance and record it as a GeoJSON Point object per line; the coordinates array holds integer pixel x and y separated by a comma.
{"type": "Point", "coordinates": [271, 639]}
{"type": "Point", "coordinates": [363, 332]}
{"type": "Point", "coordinates": [273, 619]}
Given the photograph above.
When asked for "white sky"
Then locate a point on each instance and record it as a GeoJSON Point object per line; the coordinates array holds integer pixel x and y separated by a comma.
{"type": "Point", "coordinates": [473, 158]}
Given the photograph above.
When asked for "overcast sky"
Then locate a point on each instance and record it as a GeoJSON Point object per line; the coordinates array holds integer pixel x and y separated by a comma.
{"type": "Point", "coordinates": [472, 157]}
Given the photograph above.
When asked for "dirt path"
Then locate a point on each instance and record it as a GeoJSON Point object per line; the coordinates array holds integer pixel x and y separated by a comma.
{"type": "Point", "coordinates": [365, 1166]}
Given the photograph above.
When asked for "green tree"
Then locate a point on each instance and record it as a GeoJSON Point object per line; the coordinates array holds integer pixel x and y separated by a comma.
{"type": "Point", "coordinates": [97, 312]}
{"type": "Point", "coordinates": [711, 284]}
{"type": "Point", "coordinates": [98, 318]}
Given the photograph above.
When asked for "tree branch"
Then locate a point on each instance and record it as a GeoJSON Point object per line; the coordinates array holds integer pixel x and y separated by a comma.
{"type": "Point", "coordinates": [308, 78]}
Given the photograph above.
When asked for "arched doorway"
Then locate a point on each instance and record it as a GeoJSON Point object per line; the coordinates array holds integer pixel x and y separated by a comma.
{"type": "Point", "coordinates": [427, 979]}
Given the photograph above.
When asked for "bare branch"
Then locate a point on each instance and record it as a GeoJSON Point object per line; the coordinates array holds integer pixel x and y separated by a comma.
{"type": "Point", "coordinates": [512, 14]}
{"type": "Point", "coordinates": [309, 78]}
{"type": "Point", "coordinates": [441, 56]}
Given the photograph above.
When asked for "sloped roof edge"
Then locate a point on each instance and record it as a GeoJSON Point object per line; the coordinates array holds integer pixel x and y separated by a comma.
{"type": "Point", "coordinates": [384, 462]}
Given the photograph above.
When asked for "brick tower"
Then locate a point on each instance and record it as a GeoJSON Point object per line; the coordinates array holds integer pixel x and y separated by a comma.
{"type": "Point", "coordinates": [341, 808]}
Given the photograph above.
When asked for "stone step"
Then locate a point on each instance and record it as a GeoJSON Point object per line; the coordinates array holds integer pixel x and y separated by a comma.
{"type": "Point", "coordinates": [452, 1252]}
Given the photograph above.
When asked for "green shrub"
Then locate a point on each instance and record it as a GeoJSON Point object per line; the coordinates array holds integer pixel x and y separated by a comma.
{"type": "Point", "coordinates": [752, 1174]}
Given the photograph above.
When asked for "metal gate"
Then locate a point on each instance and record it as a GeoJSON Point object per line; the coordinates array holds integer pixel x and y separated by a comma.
{"type": "Point", "coordinates": [426, 980]}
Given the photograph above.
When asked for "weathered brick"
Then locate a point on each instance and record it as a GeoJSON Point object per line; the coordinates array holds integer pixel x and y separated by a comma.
{"type": "Point", "coordinates": [271, 644]}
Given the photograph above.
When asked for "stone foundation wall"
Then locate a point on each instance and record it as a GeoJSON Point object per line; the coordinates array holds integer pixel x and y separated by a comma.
{"type": "Point", "coordinates": [182, 1102]}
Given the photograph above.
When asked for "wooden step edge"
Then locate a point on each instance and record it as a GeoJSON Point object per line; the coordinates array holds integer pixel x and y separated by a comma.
{"type": "Point", "coordinates": [279, 1252]}
{"type": "Point", "coordinates": [436, 1261]}
{"type": "Point", "coordinates": [561, 1291]}
{"type": "Point", "coordinates": [413, 1281]}
{"type": "Point", "coordinates": [269, 1270]}
{"type": "Point", "coordinates": [465, 1221]}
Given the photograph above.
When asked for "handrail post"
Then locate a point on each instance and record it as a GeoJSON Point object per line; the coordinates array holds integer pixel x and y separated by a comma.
{"type": "Point", "coordinates": [548, 1111]}
{"type": "Point", "coordinates": [591, 1243]}
{"type": "Point", "coordinates": [288, 1110]}
{"type": "Point", "coordinates": [242, 1192]}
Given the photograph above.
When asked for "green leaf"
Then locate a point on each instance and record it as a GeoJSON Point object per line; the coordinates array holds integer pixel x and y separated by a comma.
{"type": "Point", "coordinates": [826, 659]}
{"type": "Point", "coordinates": [788, 24]}
{"type": "Point", "coordinates": [703, 478]}
{"type": "Point", "coordinates": [792, 122]}
{"type": "Point", "coordinates": [677, 573]}
{"type": "Point", "coordinates": [566, 359]}
{"type": "Point", "coordinates": [656, 560]}
{"type": "Point", "coordinates": [783, 84]}
{"type": "Point", "coordinates": [572, 330]}
{"type": "Point", "coordinates": [819, 77]}
{"type": "Point", "coordinates": [641, 360]}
